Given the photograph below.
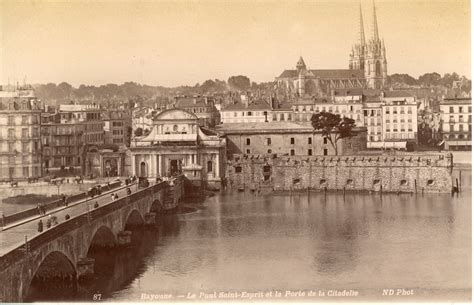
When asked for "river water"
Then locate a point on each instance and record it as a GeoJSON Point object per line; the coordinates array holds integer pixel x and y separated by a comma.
{"type": "Point", "coordinates": [265, 245]}
{"type": "Point", "coordinates": [306, 247]}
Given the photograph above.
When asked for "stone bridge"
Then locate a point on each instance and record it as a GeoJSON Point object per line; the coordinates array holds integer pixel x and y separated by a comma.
{"type": "Point", "coordinates": [63, 251]}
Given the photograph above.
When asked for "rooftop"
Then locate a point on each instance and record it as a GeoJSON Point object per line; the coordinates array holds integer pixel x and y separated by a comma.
{"type": "Point", "coordinates": [327, 74]}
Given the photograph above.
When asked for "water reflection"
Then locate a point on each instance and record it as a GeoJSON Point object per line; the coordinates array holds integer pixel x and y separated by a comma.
{"type": "Point", "coordinates": [239, 241]}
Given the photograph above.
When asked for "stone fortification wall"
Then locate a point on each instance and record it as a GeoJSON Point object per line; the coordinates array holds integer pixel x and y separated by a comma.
{"type": "Point", "coordinates": [405, 172]}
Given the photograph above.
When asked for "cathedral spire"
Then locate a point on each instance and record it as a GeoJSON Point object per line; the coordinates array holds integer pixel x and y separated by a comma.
{"type": "Point", "coordinates": [376, 29]}
{"type": "Point", "coordinates": [361, 29]}
{"type": "Point", "coordinates": [300, 65]}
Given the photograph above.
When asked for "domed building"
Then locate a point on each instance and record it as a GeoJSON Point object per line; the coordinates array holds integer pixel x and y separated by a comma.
{"type": "Point", "coordinates": [177, 145]}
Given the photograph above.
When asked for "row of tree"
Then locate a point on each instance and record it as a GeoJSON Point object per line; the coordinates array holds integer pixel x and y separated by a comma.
{"type": "Point", "coordinates": [64, 91]}
{"type": "Point", "coordinates": [432, 79]}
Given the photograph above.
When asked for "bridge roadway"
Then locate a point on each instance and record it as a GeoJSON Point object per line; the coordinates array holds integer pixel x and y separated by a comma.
{"type": "Point", "coordinates": [13, 235]}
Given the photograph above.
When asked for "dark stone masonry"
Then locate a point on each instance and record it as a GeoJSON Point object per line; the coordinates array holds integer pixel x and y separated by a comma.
{"type": "Point", "coordinates": [399, 172]}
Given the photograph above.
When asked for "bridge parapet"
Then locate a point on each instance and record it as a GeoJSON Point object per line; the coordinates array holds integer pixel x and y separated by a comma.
{"type": "Point", "coordinates": [74, 236]}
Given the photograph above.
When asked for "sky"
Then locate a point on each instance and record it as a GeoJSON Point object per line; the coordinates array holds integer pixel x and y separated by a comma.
{"type": "Point", "coordinates": [171, 43]}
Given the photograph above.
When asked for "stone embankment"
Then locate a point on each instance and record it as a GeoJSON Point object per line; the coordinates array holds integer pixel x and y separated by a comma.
{"type": "Point", "coordinates": [400, 172]}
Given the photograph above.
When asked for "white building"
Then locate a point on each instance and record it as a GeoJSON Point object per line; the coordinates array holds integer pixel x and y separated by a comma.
{"type": "Point", "coordinates": [456, 123]}
{"type": "Point", "coordinates": [177, 145]}
{"type": "Point", "coordinates": [256, 112]}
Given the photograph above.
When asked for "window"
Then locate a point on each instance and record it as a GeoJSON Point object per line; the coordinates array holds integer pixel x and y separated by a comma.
{"type": "Point", "coordinates": [451, 109]}
{"type": "Point", "coordinates": [269, 141]}
{"type": "Point", "coordinates": [451, 128]}
{"type": "Point", "coordinates": [461, 118]}
{"type": "Point", "coordinates": [325, 152]}
{"type": "Point", "coordinates": [292, 152]}
{"type": "Point", "coordinates": [209, 166]}
{"type": "Point", "coordinates": [269, 151]}
{"type": "Point", "coordinates": [310, 140]}
{"type": "Point", "coordinates": [325, 140]}
{"type": "Point", "coordinates": [238, 169]}
{"type": "Point", "coordinates": [24, 119]}
{"type": "Point", "coordinates": [461, 127]}
{"type": "Point", "coordinates": [24, 147]}
{"type": "Point", "coordinates": [292, 141]}
{"type": "Point", "coordinates": [248, 151]}
{"type": "Point", "coordinates": [11, 120]}
{"type": "Point", "coordinates": [249, 113]}
{"type": "Point", "coordinates": [310, 152]}
{"type": "Point", "coordinates": [248, 141]}
{"type": "Point", "coordinates": [460, 109]}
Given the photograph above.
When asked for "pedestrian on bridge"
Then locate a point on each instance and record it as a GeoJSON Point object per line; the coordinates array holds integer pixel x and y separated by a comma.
{"type": "Point", "coordinates": [3, 221]}
{"type": "Point", "coordinates": [40, 226]}
{"type": "Point", "coordinates": [112, 196]}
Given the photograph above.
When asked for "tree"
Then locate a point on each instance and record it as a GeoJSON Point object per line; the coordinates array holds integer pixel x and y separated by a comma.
{"type": "Point", "coordinates": [429, 79]}
{"type": "Point", "coordinates": [240, 82]}
{"type": "Point", "coordinates": [402, 79]}
{"type": "Point", "coordinates": [333, 127]}
{"type": "Point", "coordinates": [138, 132]}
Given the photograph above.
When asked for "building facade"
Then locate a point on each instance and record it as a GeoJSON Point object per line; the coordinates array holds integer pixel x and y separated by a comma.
{"type": "Point", "coordinates": [178, 145]}
{"type": "Point", "coordinates": [285, 138]}
{"type": "Point", "coordinates": [20, 144]}
{"type": "Point", "coordinates": [203, 107]}
{"type": "Point", "coordinates": [456, 123]}
{"type": "Point", "coordinates": [67, 135]}
{"type": "Point", "coordinates": [255, 112]}
{"type": "Point", "coordinates": [305, 82]}
{"type": "Point", "coordinates": [117, 127]}
{"type": "Point", "coordinates": [399, 119]}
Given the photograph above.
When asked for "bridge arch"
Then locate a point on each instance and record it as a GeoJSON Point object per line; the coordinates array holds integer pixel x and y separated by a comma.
{"type": "Point", "coordinates": [102, 237]}
{"type": "Point", "coordinates": [133, 219]}
{"type": "Point", "coordinates": [156, 207]}
{"type": "Point", "coordinates": [54, 279]}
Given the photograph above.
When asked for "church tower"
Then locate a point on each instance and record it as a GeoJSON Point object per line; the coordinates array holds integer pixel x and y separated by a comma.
{"type": "Point", "coordinates": [375, 68]}
{"type": "Point", "coordinates": [357, 56]}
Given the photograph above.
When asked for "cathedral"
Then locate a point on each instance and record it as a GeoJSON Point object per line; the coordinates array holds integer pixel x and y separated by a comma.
{"type": "Point", "coordinates": [370, 56]}
{"type": "Point", "coordinates": [367, 69]}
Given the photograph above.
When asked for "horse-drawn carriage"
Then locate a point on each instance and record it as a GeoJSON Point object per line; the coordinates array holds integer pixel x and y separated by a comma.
{"type": "Point", "coordinates": [94, 191]}
{"type": "Point", "coordinates": [79, 179]}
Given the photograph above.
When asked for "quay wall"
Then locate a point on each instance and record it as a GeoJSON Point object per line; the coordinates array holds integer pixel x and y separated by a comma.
{"type": "Point", "coordinates": [406, 172]}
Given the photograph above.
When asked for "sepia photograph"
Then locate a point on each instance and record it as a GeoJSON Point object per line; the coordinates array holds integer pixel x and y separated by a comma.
{"type": "Point", "coordinates": [235, 151]}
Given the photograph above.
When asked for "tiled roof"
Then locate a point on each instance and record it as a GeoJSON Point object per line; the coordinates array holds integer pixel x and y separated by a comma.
{"type": "Point", "coordinates": [283, 107]}
{"type": "Point", "coordinates": [189, 102]}
{"type": "Point", "coordinates": [327, 74]}
{"type": "Point", "coordinates": [348, 92]}
{"type": "Point", "coordinates": [268, 126]}
{"type": "Point", "coordinates": [397, 93]}
{"type": "Point", "coordinates": [257, 105]}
